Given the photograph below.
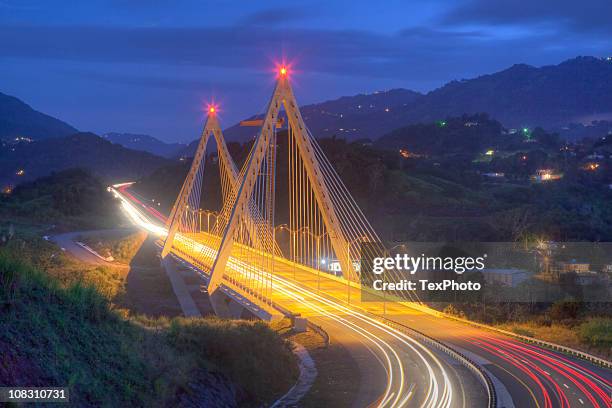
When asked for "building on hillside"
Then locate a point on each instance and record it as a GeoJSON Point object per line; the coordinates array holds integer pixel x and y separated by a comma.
{"type": "Point", "coordinates": [508, 277]}
{"type": "Point", "coordinates": [587, 278]}
{"type": "Point", "coordinates": [544, 175]}
{"type": "Point", "coordinates": [574, 266]}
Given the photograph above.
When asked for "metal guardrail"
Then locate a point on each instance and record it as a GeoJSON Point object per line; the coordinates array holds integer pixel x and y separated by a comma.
{"type": "Point", "coordinates": [461, 358]}
{"type": "Point", "coordinates": [320, 331]}
{"type": "Point", "coordinates": [546, 344]}
{"type": "Point", "coordinates": [474, 367]}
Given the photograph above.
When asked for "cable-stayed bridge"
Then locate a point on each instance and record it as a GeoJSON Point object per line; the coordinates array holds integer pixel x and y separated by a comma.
{"type": "Point", "coordinates": [415, 356]}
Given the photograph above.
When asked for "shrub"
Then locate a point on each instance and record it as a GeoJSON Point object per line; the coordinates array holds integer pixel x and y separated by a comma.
{"type": "Point", "coordinates": [596, 332]}
{"type": "Point", "coordinates": [67, 333]}
{"type": "Point", "coordinates": [8, 280]}
{"type": "Point", "coordinates": [563, 310]}
{"type": "Point", "coordinates": [453, 311]}
{"type": "Point", "coordinates": [261, 365]}
{"type": "Point", "coordinates": [522, 332]}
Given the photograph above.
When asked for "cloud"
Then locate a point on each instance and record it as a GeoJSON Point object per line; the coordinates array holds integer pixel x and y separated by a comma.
{"type": "Point", "coordinates": [331, 51]}
{"type": "Point", "coordinates": [174, 82]}
{"type": "Point", "coordinates": [415, 53]}
{"type": "Point", "coordinates": [278, 16]}
{"type": "Point", "coordinates": [584, 16]}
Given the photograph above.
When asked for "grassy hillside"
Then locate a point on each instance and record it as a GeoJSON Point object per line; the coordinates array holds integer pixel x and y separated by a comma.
{"type": "Point", "coordinates": [66, 323]}
{"type": "Point", "coordinates": [68, 334]}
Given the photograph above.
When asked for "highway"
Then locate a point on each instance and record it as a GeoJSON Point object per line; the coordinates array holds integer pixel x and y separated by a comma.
{"type": "Point", "coordinates": [396, 370]}
{"type": "Point", "coordinates": [524, 375]}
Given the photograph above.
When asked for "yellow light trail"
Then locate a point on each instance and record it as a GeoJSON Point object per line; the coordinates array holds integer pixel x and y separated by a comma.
{"type": "Point", "coordinates": [439, 393]}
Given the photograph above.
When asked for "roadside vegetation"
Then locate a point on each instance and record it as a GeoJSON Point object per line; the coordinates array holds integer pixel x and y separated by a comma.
{"type": "Point", "coordinates": [593, 335]}
{"type": "Point", "coordinates": [65, 200]}
{"type": "Point", "coordinates": [583, 326]}
{"type": "Point", "coordinates": [68, 333]}
{"type": "Point", "coordinates": [111, 333]}
{"type": "Point", "coordinates": [122, 247]}
{"type": "Point", "coordinates": [428, 182]}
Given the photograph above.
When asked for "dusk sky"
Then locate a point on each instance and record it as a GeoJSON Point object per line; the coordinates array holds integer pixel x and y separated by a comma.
{"type": "Point", "coordinates": [151, 66]}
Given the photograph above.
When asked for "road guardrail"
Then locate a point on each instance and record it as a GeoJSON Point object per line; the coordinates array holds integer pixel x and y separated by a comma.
{"type": "Point", "coordinates": [474, 367]}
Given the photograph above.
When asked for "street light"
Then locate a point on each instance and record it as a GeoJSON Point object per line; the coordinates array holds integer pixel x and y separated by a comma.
{"type": "Point", "coordinates": [318, 260]}
{"type": "Point", "coordinates": [208, 214]}
{"type": "Point", "coordinates": [350, 264]}
{"type": "Point", "coordinates": [306, 230]}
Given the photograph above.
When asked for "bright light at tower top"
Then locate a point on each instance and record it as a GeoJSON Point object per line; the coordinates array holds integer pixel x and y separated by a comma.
{"type": "Point", "coordinates": [212, 109]}
{"type": "Point", "coordinates": [282, 69]}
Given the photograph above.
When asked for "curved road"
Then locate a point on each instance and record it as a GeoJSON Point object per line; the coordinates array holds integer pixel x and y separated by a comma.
{"type": "Point", "coordinates": [524, 375]}
{"type": "Point", "coordinates": [397, 371]}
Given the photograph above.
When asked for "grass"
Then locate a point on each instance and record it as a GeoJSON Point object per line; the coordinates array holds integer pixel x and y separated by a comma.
{"type": "Point", "coordinates": [593, 335]}
{"type": "Point", "coordinates": [596, 332]}
{"type": "Point", "coordinates": [63, 331]}
{"type": "Point", "coordinates": [122, 248]}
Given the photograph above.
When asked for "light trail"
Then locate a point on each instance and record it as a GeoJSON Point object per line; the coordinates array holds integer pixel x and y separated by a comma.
{"type": "Point", "coordinates": [587, 382]}
{"type": "Point", "coordinates": [513, 355]}
{"type": "Point", "coordinates": [439, 392]}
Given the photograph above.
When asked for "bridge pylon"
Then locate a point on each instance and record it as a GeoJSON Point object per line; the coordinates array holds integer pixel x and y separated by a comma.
{"type": "Point", "coordinates": [262, 150]}
{"type": "Point", "coordinates": [190, 193]}
{"type": "Point", "coordinates": [327, 228]}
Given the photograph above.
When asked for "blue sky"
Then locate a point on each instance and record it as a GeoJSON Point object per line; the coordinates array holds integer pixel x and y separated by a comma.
{"type": "Point", "coordinates": [151, 66]}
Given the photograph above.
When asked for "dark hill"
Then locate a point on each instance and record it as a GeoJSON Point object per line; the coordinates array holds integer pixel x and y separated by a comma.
{"type": "Point", "coordinates": [19, 119]}
{"type": "Point", "coordinates": [574, 91]}
{"type": "Point", "coordinates": [348, 116]}
{"type": "Point", "coordinates": [84, 150]}
{"type": "Point", "coordinates": [524, 96]}
{"type": "Point", "coordinates": [144, 143]}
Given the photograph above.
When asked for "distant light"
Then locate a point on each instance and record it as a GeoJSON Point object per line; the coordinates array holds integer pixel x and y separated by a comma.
{"type": "Point", "coordinates": [283, 71]}
{"type": "Point", "coordinates": [211, 109]}
{"type": "Point", "coordinates": [490, 152]}
{"type": "Point", "coordinates": [525, 130]}
{"type": "Point", "coordinates": [20, 172]}
{"type": "Point", "coordinates": [323, 261]}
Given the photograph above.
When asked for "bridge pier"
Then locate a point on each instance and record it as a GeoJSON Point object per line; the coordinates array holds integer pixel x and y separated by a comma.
{"type": "Point", "coordinates": [226, 302]}
{"type": "Point", "coordinates": [224, 306]}
{"type": "Point", "coordinates": [183, 296]}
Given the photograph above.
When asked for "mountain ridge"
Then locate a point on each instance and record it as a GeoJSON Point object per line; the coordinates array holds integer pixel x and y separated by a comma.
{"type": "Point", "coordinates": [145, 143]}
{"type": "Point", "coordinates": [80, 150]}
{"type": "Point", "coordinates": [522, 95]}
{"type": "Point", "coordinates": [18, 119]}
